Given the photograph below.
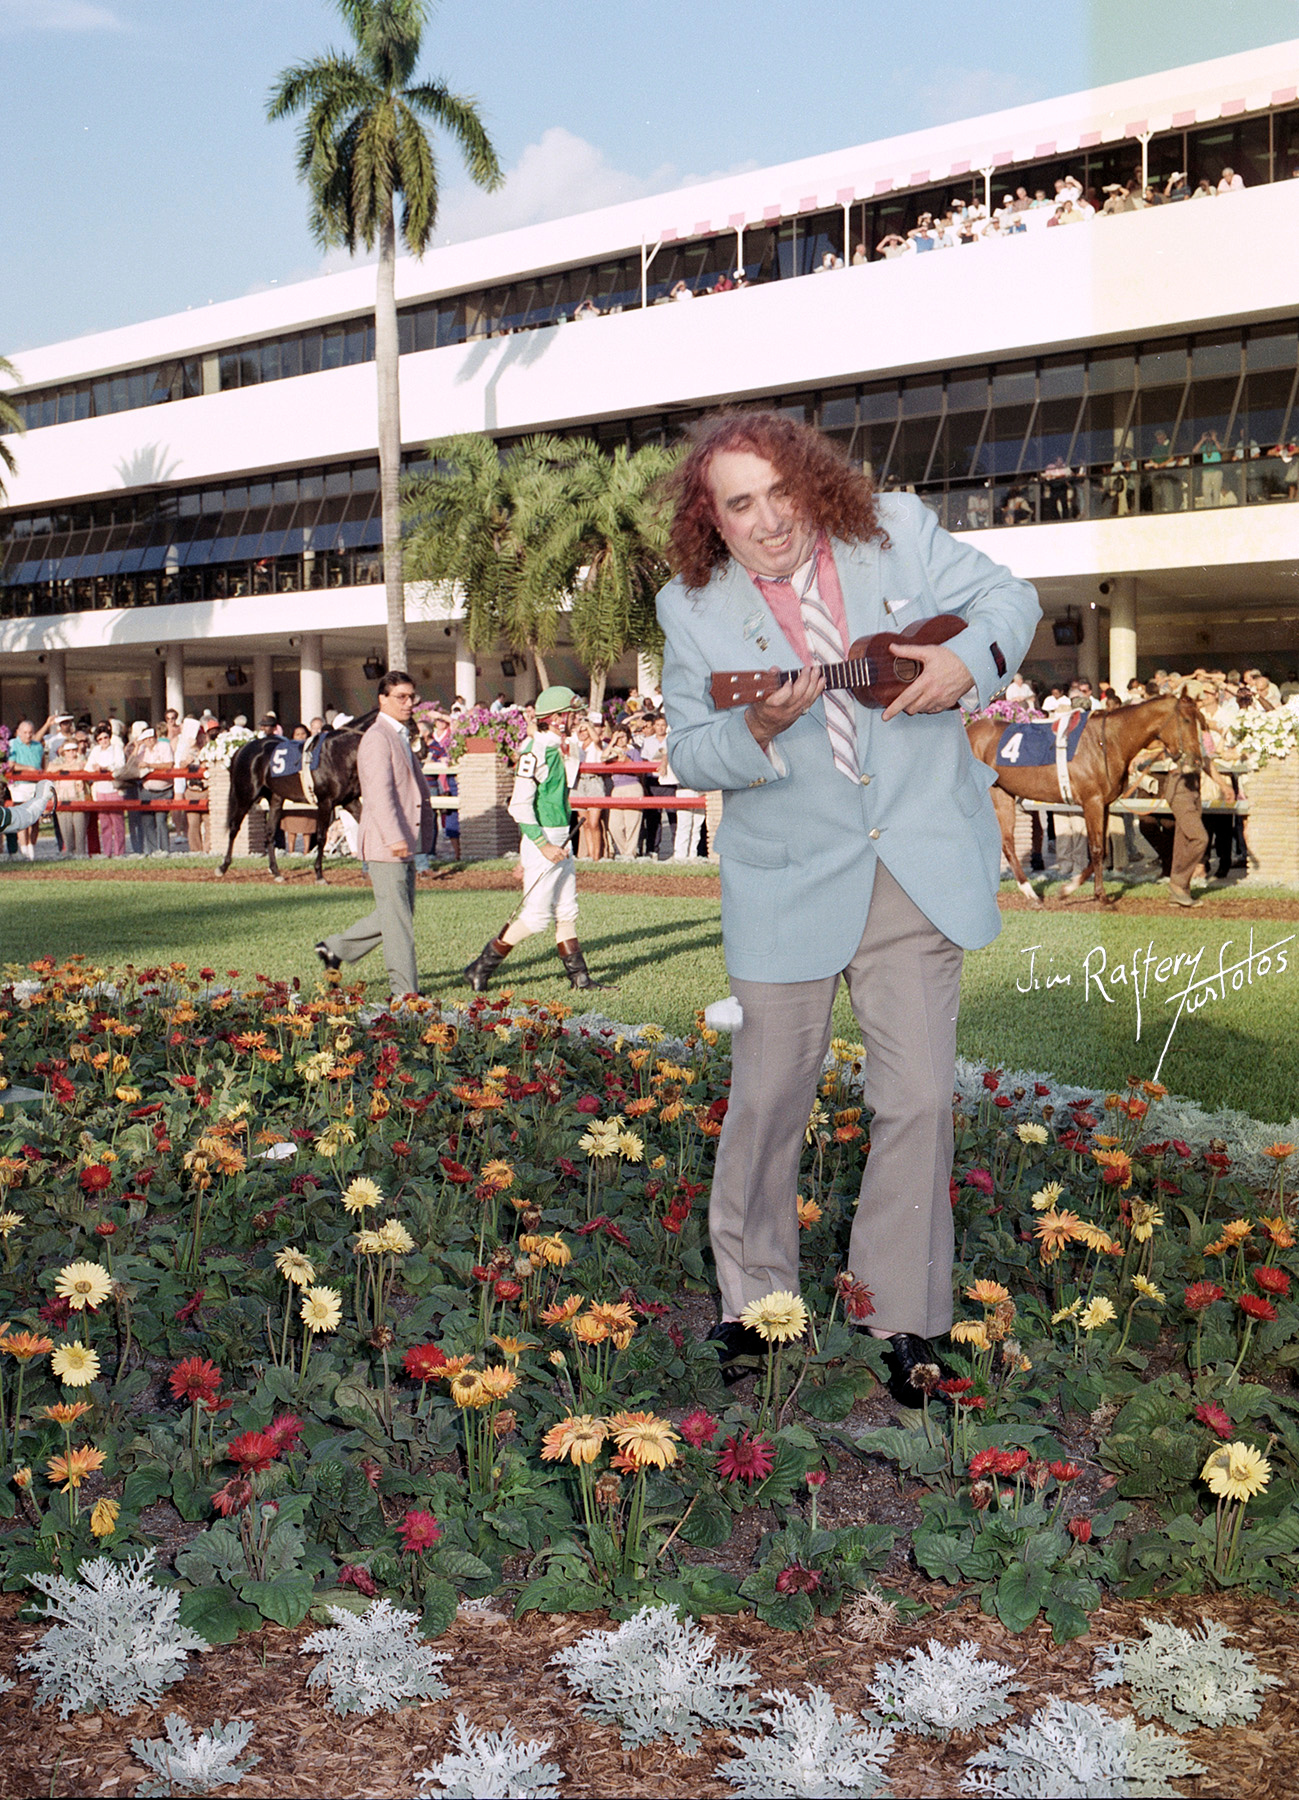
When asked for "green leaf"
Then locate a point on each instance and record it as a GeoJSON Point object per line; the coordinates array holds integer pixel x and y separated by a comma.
{"type": "Point", "coordinates": [832, 1401]}
{"type": "Point", "coordinates": [440, 1604]}
{"type": "Point", "coordinates": [460, 1565]}
{"type": "Point", "coordinates": [192, 1499]}
{"type": "Point", "coordinates": [788, 1612]}
{"type": "Point", "coordinates": [560, 1593]}
{"type": "Point", "coordinates": [1066, 1620]}
{"type": "Point", "coordinates": [145, 1485]}
{"type": "Point", "coordinates": [286, 1600]}
{"type": "Point", "coordinates": [1021, 1594]}
{"type": "Point", "coordinates": [216, 1615]}
{"type": "Point", "coordinates": [710, 1521]}
{"type": "Point", "coordinates": [940, 1554]}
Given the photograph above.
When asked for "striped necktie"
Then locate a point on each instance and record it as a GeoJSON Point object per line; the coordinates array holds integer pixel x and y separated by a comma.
{"type": "Point", "coordinates": [827, 646]}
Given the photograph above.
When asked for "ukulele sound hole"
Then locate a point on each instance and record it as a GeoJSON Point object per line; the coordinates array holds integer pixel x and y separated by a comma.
{"type": "Point", "coordinates": [905, 668]}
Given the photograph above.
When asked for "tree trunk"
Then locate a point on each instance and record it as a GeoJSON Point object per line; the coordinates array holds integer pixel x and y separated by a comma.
{"type": "Point", "coordinates": [387, 381]}
{"type": "Point", "coordinates": [543, 675]}
{"type": "Point", "coordinates": [595, 702]}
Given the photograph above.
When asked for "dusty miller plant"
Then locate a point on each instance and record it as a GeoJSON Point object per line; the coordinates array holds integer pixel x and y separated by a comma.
{"type": "Point", "coordinates": [658, 1676]}
{"type": "Point", "coordinates": [1070, 1752]}
{"type": "Point", "coordinates": [375, 1661]}
{"type": "Point", "coordinates": [941, 1690]}
{"type": "Point", "coordinates": [809, 1749]}
{"type": "Point", "coordinates": [117, 1639]}
{"type": "Point", "coordinates": [187, 1764]}
{"type": "Point", "coordinates": [1186, 1678]}
{"type": "Point", "coordinates": [492, 1765]}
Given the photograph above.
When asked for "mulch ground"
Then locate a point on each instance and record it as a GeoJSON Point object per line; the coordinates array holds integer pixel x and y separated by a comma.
{"type": "Point", "coordinates": [468, 878]}
{"type": "Point", "coordinates": [498, 1675]}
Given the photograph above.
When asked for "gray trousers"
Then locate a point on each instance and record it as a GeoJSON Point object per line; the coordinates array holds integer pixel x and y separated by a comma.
{"type": "Point", "coordinates": [392, 923]}
{"type": "Point", "coordinates": [904, 983]}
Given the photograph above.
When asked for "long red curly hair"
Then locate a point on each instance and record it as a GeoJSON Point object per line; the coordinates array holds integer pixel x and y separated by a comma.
{"type": "Point", "coordinates": [827, 491]}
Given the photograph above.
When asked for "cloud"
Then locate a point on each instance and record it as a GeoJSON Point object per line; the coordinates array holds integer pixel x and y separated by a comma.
{"type": "Point", "coordinates": [560, 174]}
{"type": "Point", "coordinates": [953, 92]}
{"type": "Point", "coordinates": [58, 15]}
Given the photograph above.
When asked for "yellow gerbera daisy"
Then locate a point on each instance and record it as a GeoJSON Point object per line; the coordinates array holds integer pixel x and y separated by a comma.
{"type": "Point", "coordinates": [295, 1267]}
{"type": "Point", "coordinates": [1147, 1289]}
{"type": "Point", "coordinates": [1098, 1312]}
{"type": "Point", "coordinates": [777, 1318]}
{"type": "Point", "coordinates": [322, 1309]}
{"type": "Point", "coordinates": [467, 1389]}
{"type": "Point", "coordinates": [971, 1331]}
{"type": "Point", "coordinates": [497, 1382]}
{"type": "Point", "coordinates": [84, 1284]}
{"type": "Point", "coordinates": [513, 1347]}
{"type": "Point", "coordinates": [75, 1365]}
{"type": "Point", "coordinates": [1045, 1198]}
{"type": "Point", "coordinates": [644, 1439]}
{"type": "Point", "coordinates": [579, 1437]}
{"type": "Point", "coordinates": [1031, 1134]}
{"type": "Point", "coordinates": [1236, 1472]}
{"type": "Point", "coordinates": [394, 1238]}
{"type": "Point", "coordinates": [103, 1520]}
{"type": "Point", "coordinates": [1067, 1312]}
{"type": "Point", "coordinates": [360, 1194]}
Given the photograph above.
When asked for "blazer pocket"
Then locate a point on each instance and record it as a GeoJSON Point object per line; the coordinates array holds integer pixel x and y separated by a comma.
{"type": "Point", "coordinates": [759, 852]}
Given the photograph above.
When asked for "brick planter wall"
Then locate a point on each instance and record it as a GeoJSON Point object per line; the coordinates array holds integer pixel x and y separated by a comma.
{"type": "Point", "coordinates": [485, 780]}
{"type": "Point", "coordinates": [1272, 828]}
{"type": "Point", "coordinates": [251, 837]}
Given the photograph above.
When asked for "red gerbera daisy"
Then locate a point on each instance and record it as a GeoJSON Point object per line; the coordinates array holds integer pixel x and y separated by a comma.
{"type": "Point", "coordinates": [746, 1458]}
{"type": "Point", "coordinates": [1010, 1462]}
{"type": "Point", "coordinates": [194, 1380]}
{"type": "Point", "coordinates": [1065, 1471]}
{"type": "Point", "coordinates": [1215, 1418]}
{"type": "Point", "coordinates": [252, 1450]}
{"type": "Point", "coordinates": [284, 1431]}
{"type": "Point", "coordinates": [698, 1427]}
{"type": "Point", "coordinates": [418, 1531]}
{"type": "Point", "coordinates": [422, 1362]}
{"type": "Point", "coordinates": [95, 1177]}
{"type": "Point", "coordinates": [1201, 1294]}
{"type": "Point", "coordinates": [234, 1496]}
{"type": "Point", "coordinates": [1273, 1281]}
{"type": "Point", "coordinates": [982, 1463]}
{"type": "Point", "coordinates": [1256, 1307]}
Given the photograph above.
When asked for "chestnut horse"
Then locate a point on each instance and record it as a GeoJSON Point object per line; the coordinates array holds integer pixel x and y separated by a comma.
{"type": "Point", "coordinates": [1097, 772]}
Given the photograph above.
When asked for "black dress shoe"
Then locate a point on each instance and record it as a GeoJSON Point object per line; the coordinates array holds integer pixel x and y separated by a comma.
{"type": "Point", "coordinates": [740, 1351]}
{"type": "Point", "coordinates": [907, 1355]}
{"type": "Point", "coordinates": [327, 956]}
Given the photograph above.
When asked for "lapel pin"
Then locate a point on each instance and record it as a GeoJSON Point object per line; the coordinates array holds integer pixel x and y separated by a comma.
{"type": "Point", "coordinates": [762, 645]}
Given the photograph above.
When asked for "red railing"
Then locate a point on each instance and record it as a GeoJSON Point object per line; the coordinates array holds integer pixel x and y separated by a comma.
{"type": "Point", "coordinates": [13, 773]}
{"type": "Point", "coordinates": [635, 802]}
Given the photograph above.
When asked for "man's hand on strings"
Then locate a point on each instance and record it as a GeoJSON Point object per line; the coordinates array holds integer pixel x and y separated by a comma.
{"type": "Point", "coordinates": [943, 678]}
{"type": "Point", "coordinates": [768, 718]}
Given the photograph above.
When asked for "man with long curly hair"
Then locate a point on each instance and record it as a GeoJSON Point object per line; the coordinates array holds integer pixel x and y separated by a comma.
{"type": "Point", "coordinates": [855, 842]}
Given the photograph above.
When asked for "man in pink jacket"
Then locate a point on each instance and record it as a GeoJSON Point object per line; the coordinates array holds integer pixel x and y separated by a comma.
{"type": "Point", "coordinates": [396, 826]}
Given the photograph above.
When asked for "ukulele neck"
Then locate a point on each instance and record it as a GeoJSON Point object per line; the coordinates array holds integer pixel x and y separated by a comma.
{"type": "Point", "coordinates": [859, 673]}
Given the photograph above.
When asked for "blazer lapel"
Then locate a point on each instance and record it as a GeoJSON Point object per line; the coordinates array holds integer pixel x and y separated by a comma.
{"type": "Point", "coordinates": [860, 579]}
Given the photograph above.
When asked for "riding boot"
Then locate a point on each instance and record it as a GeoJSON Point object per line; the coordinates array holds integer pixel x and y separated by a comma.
{"type": "Point", "coordinates": [570, 954]}
{"type": "Point", "coordinates": [486, 963]}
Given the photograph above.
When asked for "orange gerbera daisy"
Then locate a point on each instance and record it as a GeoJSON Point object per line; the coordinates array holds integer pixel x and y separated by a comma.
{"type": "Point", "coordinates": [26, 1344]}
{"type": "Point", "coordinates": [562, 1310]}
{"type": "Point", "coordinates": [66, 1412]}
{"type": "Point", "coordinates": [646, 1441]}
{"type": "Point", "coordinates": [1279, 1231]}
{"type": "Point", "coordinates": [72, 1470]}
{"type": "Point", "coordinates": [989, 1293]}
{"type": "Point", "coordinates": [1279, 1152]}
{"type": "Point", "coordinates": [1055, 1230]}
{"type": "Point", "coordinates": [578, 1437]}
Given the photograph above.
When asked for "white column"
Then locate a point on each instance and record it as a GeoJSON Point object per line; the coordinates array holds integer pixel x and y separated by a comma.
{"type": "Point", "coordinates": [1123, 632]}
{"type": "Point", "coordinates": [176, 678]}
{"type": "Point", "coordinates": [311, 677]}
{"type": "Point", "coordinates": [56, 678]}
{"type": "Point", "coordinates": [157, 691]}
{"type": "Point", "coordinates": [466, 670]}
{"type": "Point", "coordinates": [263, 687]}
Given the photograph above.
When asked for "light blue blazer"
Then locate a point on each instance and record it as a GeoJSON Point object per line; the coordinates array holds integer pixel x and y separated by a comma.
{"type": "Point", "coordinates": [798, 839]}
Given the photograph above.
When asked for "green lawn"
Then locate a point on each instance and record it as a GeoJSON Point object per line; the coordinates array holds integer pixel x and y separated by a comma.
{"type": "Point", "coordinates": [664, 954]}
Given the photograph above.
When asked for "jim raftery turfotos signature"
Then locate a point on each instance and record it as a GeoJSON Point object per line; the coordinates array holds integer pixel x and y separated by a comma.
{"type": "Point", "coordinates": [1177, 979]}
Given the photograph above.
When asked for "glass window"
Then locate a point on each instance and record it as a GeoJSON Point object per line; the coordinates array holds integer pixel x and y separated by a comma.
{"type": "Point", "coordinates": [1051, 439]}
{"type": "Point", "coordinates": [1160, 367]}
{"type": "Point", "coordinates": [922, 398]}
{"type": "Point", "coordinates": [271, 362]}
{"type": "Point", "coordinates": [1014, 384]}
{"type": "Point", "coordinates": [838, 410]}
{"type": "Point", "coordinates": [909, 461]}
{"type": "Point", "coordinates": [311, 487]}
{"type": "Point", "coordinates": [337, 481]}
{"type": "Point", "coordinates": [354, 345]}
{"type": "Point", "coordinates": [290, 358]}
{"type": "Point", "coordinates": [250, 367]}
{"type": "Point", "coordinates": [1218, 355]}
{"type": "Point", "coordinates": [1285, 145]}
{"type": "Point", "coordinates": [1111, 372]}
{"type": "Point", "coordinates": [1007, 429]}
{"type": "Point", "coordinates": [1209, 406]}
{"type": "Point", "coordinates": [365, 478]}
{"type": "Point", "coordinates": [229, 370]}
{"type": "Point", "coordinates": [958, 440]}
{"type": "Point", "coordinates": [1062, 378]}
{"type": "Point", "coordinates": [879, 403]}
{"type": "Point", "coordinates": [1262, 411]}
{"type": "Point", "coordinates": [1270, 349]}
{"type": "Point", "coordinates": [311, 352]}
{"type": "Point", "coordinates": [331, 347]}
{"type": "Point", "coordinates": [259, 493]}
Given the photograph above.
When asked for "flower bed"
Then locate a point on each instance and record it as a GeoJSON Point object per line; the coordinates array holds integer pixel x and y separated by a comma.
{"type": "Point", "coordinates": [387, 1307]}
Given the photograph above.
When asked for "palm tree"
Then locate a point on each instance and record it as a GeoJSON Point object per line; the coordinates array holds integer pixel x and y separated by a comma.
{"type": "Point", "coordinates": [361, 144]}
{"type": "Point", "coordinates": [606, 545]}
{"type": "Point", "coordinates": [471, 519]}
{"type": "Point", "coordinates": [10, 420]}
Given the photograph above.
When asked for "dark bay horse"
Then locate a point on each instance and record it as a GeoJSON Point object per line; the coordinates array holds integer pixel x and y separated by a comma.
{"type": "Point", "coordinates": [336, 788]}
{"type": "Point", "coordinates": [1097, 772]}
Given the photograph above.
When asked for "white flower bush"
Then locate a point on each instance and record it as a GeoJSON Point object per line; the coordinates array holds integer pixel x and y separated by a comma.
{"type": "Point", "coordinates": [374, 1662]}
{"type": "Point", "coordinates": [1263, 735]}
{"type": "Point", "coordinates": [658, 1676]}
{"type": "Point", "coordinates": [809, 1749]}
{"type": "Point", "coordinates": [492, 1765]}
{"type": "Point", "coordinates": [1186, 1678]}
{"type": "Point", "coordinates": [1070, 1752]}
{"type": "Point", "coordinates": [941, 1690]}
{"type": "Point", "coordinates": [116, 1640]}
{"type": "Point", "coordinates": [185, 1764]}
{"type": "Point", "coordinates": [221, 748]}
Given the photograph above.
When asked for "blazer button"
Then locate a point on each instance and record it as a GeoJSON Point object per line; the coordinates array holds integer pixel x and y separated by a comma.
{"type": "Point", "coordinates": [875, 833]}
{"type": "Point", "coordinates": [865, 780]}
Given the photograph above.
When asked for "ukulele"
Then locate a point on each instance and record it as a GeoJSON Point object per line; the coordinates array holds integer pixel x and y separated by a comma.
{"type": "Point", "coordinates": [871, 673]}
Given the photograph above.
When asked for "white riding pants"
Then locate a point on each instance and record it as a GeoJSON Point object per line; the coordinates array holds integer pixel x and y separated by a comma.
{"type": "Point", "coordinates": [550, 889]}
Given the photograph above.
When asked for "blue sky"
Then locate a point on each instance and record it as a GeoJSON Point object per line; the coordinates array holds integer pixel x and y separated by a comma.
{"type": "Point", "coordinates": [142, 178]}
